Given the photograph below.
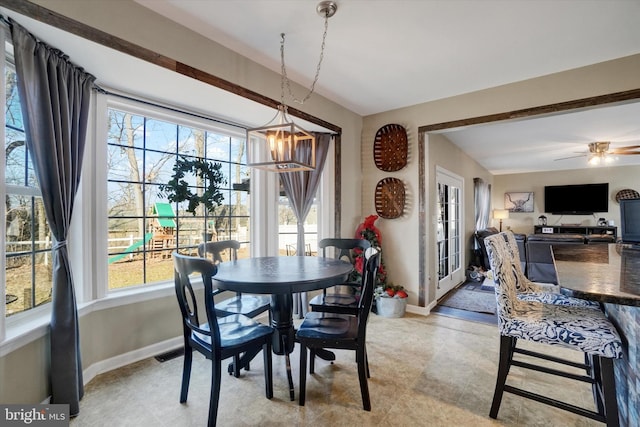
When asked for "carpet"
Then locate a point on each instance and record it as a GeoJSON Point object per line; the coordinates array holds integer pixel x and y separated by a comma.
{"type": "Point", "coordinates": [471, 297]}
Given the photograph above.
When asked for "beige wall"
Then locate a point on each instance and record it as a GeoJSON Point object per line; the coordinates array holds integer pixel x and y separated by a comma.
{"type": "Point", "coordinates": [599, 79]}
{"type": "Point", "coordinates": [618, 178]}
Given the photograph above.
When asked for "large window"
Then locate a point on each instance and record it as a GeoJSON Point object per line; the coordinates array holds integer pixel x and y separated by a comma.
{"type": "Point", "coordinates": [143, 227]}
{"type": "Point", "coordinates": [28, 238]}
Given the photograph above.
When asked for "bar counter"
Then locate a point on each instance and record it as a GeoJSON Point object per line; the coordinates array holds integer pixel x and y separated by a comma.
{"type": "Point", "coordinates": [610, 274]}
{"type": "Point", "coordinates": [599, 272]}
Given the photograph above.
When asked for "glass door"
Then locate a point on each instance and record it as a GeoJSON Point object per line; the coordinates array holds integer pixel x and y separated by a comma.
{"type": "Point", "coordinates": [448, 231]}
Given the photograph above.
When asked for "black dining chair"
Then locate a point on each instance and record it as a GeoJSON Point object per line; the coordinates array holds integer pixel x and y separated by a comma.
{"type": "Point", "coordinates": [246, 304]}
{"type": "Point", "coordinates": [342, 298]}
{"type": "Point", "coordinates": [323, 330]}
{"type": "Point", "coordinates": [217, 338]}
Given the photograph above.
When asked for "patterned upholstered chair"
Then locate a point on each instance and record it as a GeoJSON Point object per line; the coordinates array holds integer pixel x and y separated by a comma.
{"type": "Point", "coordinates": [578, 328]}
{"type": "Point", "coordinates": [547, 293]}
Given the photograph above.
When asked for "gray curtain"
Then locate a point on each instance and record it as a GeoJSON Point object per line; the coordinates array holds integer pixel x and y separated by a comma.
{"type": "Point", "coordinates": [482, 197]}
{"type": "Point", "coordinates": [301, 187]}
{"type": "Point", "coordinates": [55, 97]}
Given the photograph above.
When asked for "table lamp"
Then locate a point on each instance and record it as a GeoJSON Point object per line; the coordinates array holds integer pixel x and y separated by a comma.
{"type": "Point", "coordinates": [500, 214]}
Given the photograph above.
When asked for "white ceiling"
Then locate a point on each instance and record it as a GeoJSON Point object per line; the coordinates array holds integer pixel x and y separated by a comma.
{"type": "Point", "coordinates": [386, 54]}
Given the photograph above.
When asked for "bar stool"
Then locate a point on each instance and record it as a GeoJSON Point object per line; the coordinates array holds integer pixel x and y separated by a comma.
{"type": "Point", "coordinates": [578, 328]}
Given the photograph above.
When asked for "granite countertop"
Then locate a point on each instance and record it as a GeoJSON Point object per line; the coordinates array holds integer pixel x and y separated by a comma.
{"type": "Point", "coordinates": [608, 273]}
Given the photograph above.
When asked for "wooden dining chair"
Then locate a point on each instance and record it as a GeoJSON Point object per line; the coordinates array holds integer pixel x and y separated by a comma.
{"type": "Point", "coordinates": [325, 330]}
{"type": "Point", "coordinates": [341, 298]}
{"type": "Point", "coordinates": [578, 328]}
{"type": "Point", "coordinates": [217, 338]}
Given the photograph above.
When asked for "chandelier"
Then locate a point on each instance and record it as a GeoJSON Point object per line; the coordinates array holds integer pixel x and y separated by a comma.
{"type": "Point", "coordinates": [281, 145]}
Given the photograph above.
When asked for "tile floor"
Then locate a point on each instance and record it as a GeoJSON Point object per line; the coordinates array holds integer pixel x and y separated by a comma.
{"type": "Point", "coordinates": [425, 371]}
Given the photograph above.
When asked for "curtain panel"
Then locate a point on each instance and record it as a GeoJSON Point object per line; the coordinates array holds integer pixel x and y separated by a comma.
{"type": "Point", "coordinates": [55, 97]}
{"type": "Point", "coordinates": [301, 188]}
{"type": "Point", "coordinates": [482, 198]}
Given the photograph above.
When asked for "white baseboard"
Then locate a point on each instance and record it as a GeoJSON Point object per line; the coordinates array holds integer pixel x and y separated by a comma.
{"type": "Point", "coordinates": [423, 311]}
{"type": "Point", "coordinates": [121, 360]}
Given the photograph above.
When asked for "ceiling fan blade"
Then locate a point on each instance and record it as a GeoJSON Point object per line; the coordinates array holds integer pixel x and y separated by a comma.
{"type": "Point", "coordinates": [625, 153]}
{"type": "Point", "coordinates": [570, 157]}
{"type": "Point", "coordinates": [631, 149]}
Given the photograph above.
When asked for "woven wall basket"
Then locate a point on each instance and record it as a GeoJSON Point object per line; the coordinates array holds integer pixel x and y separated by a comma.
{"type": "Point", "coordinates": [390, 148]}
{"type": "Point", "coordinates": [390, 198]}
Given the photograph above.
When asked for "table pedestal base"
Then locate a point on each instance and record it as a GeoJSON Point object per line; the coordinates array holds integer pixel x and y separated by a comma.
{"type": "Point", "coordinates": [283, 338]}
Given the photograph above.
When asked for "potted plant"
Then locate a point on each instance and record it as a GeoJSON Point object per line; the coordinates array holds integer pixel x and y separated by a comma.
{"type": "Point", "coordinates": [209, 178]}
{"type": "Point", "coordinates": [391, 300]}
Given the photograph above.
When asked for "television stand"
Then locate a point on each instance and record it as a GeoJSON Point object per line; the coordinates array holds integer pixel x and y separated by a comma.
{"type": "Point", "coordinates": [576, 229]}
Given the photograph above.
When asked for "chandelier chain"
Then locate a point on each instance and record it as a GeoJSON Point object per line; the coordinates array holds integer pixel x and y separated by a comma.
{"type": "Point", "coordinates": [285, 79]}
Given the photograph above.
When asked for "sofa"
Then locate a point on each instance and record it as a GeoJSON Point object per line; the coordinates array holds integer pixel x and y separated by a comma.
{"type": "Point", "coordinates": [535, 251]}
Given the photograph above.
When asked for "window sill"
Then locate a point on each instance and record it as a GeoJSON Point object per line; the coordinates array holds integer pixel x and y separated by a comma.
{"type": "Point", "coordinates": [27, 327]}
{"type": "Point", "coordinates": [23, 328]}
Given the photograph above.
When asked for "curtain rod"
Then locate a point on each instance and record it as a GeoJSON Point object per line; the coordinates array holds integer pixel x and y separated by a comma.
{"type": "Point", "coordinates": [165, 107]}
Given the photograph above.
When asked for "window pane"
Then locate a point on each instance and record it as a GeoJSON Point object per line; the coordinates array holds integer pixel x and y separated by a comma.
{"type": "Point", "coordinates": [28, 254]}
{"type": "Point", "coordinates": [125, 129]}
{"type": "Point", "coordinates": [144, 227]}
{"type": "Point", "coordinates": [19, 278]}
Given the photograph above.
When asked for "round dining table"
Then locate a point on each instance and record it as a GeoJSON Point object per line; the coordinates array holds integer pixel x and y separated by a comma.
{"type": "Point", "coordinates": [281, 277]}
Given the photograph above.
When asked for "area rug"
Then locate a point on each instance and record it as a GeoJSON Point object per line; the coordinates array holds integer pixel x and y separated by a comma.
{"type": "Point", "coordinates": [471, 297]}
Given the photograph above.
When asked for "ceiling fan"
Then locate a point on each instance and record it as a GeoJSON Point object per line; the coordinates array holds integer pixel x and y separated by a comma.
{"type": "Point", "coordinates": [599, 152]}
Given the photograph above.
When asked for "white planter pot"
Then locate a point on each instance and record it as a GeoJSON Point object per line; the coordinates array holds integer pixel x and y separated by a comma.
{"type": "Point", "coordinates": [391, 307]}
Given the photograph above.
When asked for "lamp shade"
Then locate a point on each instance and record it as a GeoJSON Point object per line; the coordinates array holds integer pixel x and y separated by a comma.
{"type": "Point", "coordinates": [500, 214]}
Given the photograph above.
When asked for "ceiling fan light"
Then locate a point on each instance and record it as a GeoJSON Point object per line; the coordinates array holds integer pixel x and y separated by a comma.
{"type": "Point", "coordinates": [594, 161]}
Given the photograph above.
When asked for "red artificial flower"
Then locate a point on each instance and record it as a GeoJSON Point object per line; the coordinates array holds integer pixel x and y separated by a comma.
{"type": "Point", "coordinates": [359, 264]}
{"type": "Point", "coordinates": [367, 225]}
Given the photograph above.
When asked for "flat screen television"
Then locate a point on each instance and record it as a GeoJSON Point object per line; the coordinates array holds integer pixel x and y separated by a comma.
{"type": "Point", "coordinates": [582, 199]}
{"type": "Point", "coordinates": [630, 220]}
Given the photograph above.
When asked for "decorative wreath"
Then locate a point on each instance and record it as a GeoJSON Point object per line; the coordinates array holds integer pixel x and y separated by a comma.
{"type": "Point", "coordinates": [178, 190]}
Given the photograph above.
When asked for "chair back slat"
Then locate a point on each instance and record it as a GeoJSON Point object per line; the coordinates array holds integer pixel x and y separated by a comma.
{"type": "Point", "coordinates": [216, 249]}
{"type": "Point", "coordinates": [345, 249]}
{"type": "Point", "coordinates": [186, 266]}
